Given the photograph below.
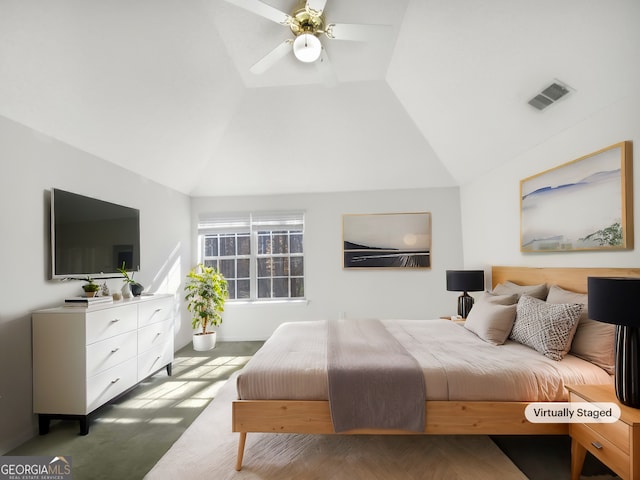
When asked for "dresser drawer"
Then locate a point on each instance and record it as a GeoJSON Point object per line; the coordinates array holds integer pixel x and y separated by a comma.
{"type": "Point", "coordinates": [601, 448]}
{"type": "Point", "coordinates": [153, 360]}
{"type": "Point", "coordinates": [110, 352]}
{"type": "Point", "coordinates": [112, 382]}
{"type": "Point", "coordinates": [617, 432]}
{"type": "Point", "coordinates": [157, 310]}
{"type": "Point", "coordinates": [154, 334]}
{"type": "Point", "coordinates": [109, 322]}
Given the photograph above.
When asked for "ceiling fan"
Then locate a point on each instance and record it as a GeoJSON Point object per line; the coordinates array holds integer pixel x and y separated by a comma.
{"type": "Point", "coordinates": [307, 23]}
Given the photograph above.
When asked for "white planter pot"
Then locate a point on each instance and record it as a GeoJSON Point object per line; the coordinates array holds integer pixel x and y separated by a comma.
{"type": "Point", "coordinates": [202, 343]}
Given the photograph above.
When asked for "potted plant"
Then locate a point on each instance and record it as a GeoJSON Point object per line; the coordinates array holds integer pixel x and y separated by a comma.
{"type": "Point", "coordinates": [130, 287]}
{"type": "Point", "coordinates": [90, 288]}
{"type": "Point", "coordinates": [206, 293]}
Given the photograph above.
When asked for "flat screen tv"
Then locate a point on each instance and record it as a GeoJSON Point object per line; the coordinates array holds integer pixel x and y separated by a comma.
{"type": "Point", "coordinates": [91, 237]}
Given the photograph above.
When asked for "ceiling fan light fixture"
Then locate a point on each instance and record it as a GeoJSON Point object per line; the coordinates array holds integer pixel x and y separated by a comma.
{"type": "Point", "coordinates": [307, 47]}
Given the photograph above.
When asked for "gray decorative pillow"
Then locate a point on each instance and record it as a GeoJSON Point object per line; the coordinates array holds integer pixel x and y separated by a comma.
{"type": "Point", "coordinates": [545, 327]}
{"type": "Point", "coordinates": [593, 340]}
{"type": "Point", "coordinates": [491, 318]}
{"type": "Point", "coordinates": [509, 288]}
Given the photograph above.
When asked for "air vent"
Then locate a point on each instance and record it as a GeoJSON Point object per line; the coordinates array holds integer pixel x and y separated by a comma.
{"type": "Point", "coordinates": [550, 95]}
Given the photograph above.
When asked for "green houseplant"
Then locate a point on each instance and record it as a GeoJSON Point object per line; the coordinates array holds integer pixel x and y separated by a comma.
{"type": "Point", "coordinates": [130, 287]}
{"type": "Point", "coordinates": [207, 291]}
{"type": "Point", "coordinates": [90, 288]}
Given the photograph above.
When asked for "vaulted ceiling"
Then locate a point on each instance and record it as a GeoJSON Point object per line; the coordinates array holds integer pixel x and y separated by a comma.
{"type": "Point", "coordinates": [163, 87]}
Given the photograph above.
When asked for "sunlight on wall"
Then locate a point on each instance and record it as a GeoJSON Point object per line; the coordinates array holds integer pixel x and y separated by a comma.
{"type": "Point", "coordinates": [169, 280]}
{"type": "Point", "coordinates": [169, 277]}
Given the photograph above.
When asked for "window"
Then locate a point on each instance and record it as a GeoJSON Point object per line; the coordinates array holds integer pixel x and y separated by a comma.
{"type": "Point", "coordinates": [260, 255]}
{"type": "Point", "coordinates": [231, 254]}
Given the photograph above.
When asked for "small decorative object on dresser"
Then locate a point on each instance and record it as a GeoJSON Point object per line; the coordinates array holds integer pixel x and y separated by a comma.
{"type": "Point", "coordinates": [90, 288]}
{"type": "Point", "coordinates": [617, 444]}
{"type": "Point", "coordinates": [130, 287]}
{"type": "Point", "coordinates": [206, 293]}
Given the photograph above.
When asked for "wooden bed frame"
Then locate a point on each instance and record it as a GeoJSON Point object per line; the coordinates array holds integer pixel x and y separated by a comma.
{"type": "Point", "coordinates": [442, 417]}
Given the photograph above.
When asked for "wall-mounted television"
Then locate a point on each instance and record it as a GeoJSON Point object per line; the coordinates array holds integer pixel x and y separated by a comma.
{"type": "Point", "coordinates": [91, 237]}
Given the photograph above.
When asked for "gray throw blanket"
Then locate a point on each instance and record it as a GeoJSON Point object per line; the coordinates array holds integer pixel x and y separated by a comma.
{"type": "Point", "coordinates": [373, 381]}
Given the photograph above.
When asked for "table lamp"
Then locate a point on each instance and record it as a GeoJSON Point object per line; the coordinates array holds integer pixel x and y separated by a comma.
{"type": "Point", "coordinates": [465, 281]}
{"type": "Point", "coordinates": [613, 300]}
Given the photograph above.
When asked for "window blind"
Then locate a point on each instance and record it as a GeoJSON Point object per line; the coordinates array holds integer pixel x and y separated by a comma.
{"type": "Point", "coordinates": [244, 222]}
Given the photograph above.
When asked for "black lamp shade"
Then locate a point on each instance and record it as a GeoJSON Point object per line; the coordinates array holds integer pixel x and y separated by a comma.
{"type": "Point", "coordinates": [614, 300]}
{"type": "Point", "coordinates": [465, 280]}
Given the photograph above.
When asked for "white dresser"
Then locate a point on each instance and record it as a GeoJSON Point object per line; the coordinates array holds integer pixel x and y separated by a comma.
{"type": "Point", "coordinates": [85, 356]}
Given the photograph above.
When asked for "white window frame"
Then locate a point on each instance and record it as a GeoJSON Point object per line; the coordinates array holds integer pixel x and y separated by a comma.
{"type": "Point", "coordinates": [253, 223]}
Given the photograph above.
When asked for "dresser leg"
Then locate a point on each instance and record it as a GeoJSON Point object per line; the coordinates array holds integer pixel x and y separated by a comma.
{"type": "Point", "coordinates": [43, 423]}
{"type": "Point", "coordinates": [169, 369]}
{"type": "Point", "coordinates": [84, 425]}
{"type": "Point", "coordinates": [578, 453]}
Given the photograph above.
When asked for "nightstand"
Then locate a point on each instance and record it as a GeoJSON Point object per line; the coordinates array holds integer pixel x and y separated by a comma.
{"type": "Point", "coordinates": [617, 445]}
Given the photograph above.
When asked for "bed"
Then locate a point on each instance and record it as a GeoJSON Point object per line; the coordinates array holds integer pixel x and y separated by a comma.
{"type": "Point", "coordinates": [275, 397]}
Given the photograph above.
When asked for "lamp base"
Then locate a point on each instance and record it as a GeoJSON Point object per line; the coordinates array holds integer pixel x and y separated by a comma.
{"type": "Point", "coordinates": [627, 373]}
{"type": "Point", "coordinates": [465, 302]}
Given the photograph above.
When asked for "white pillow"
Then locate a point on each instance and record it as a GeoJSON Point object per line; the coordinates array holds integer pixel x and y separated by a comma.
{"type": "Point", "coordinates": [545, 327]}
{"type": "Point", "coordinates": [491, 317]}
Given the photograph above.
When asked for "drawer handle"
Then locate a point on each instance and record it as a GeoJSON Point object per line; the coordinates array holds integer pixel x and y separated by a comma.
{"type": "Point", "coordinates": [115, 350]}
{"type": "Point", "coordinates": [116, 380]}
{"type": "Point", "coordinates": [598, 445]}
{"type": "Point", "coordinates": [115, 320]}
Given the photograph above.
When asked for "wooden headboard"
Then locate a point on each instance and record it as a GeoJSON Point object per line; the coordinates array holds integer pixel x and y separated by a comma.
{"type": "Point", "coordinates": [574, 279]}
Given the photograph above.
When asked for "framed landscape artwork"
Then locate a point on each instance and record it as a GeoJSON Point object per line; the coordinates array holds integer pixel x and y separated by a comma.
{"type": "Point", "coordinates": [586, 204]}
{"type": "Point", "coordinates": [387, 240]}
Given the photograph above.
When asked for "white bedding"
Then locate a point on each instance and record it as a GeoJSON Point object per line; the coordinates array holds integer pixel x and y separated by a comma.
{"type": "Point", "coordinates": [457, 365]}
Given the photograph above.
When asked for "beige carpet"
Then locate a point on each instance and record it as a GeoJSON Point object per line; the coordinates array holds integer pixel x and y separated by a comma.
{"type": "Point", "coordinates": [208, 450]}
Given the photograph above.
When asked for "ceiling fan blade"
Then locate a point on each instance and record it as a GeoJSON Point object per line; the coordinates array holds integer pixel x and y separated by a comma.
{"type": "Point", "coordinates": [355, 32]}
{"type": "Point", "coordinates": [324, 67]}
{"type": "Point", "coordinates": [264, 10]}
{"type": "Point", "coordinates": [315, 7]}
{"type": "Point", "coordinates": [266, 62]}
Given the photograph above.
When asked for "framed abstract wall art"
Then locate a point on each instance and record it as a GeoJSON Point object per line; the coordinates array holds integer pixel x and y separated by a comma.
{"type": "Point", "coordinates": [387, 240]}
{"type": "Point", "coordinates": [585, 204]}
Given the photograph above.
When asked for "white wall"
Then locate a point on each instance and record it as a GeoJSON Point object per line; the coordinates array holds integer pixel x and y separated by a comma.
{"type": "Point", "coordinates": [491, 203]}
{"type": "Point", "coordinates": [331, 290]}
{"type": "Point", "coordinates": [31, 164]}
